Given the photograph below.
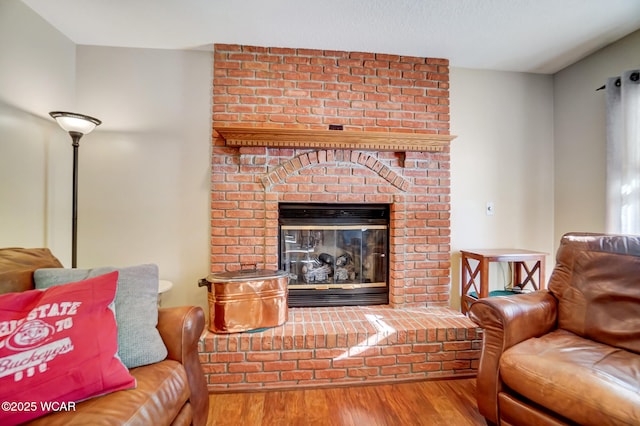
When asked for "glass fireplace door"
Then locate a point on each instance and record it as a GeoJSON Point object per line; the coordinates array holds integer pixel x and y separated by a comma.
{"type": "Point", "coordinates": [334, 256]}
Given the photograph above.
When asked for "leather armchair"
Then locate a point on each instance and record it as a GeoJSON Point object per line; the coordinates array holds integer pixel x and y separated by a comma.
{"type": "Point", "coordinates": [569, 354]}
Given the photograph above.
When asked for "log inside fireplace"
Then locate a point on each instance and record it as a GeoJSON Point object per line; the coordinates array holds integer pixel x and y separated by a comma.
{"type": "Point", "coordinates": [335, 254]}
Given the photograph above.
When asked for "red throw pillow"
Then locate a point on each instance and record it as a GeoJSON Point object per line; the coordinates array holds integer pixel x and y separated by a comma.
{"type": "Point", "coordinates": [58, 346]}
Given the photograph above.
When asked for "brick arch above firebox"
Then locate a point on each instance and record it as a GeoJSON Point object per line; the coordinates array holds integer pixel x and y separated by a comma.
{"type": "Point", "coordinates": [309, 159]}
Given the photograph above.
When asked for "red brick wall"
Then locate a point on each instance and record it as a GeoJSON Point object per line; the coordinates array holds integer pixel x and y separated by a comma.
{"type": "Point", "coordinates": [302, 88]}
{"type": "Point", "coordinates": [314, 88]}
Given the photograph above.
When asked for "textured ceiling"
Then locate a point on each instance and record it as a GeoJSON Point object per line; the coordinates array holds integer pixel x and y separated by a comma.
{"type": "Point", "coordinates": [541, 36]}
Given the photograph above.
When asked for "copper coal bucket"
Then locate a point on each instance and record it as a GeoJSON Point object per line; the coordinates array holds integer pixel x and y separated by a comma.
{"type": "Point", "coordinates": [246, 300]}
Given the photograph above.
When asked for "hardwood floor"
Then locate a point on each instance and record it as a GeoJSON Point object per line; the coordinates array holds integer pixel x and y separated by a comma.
{"type": "Point", "coordinates": [434, 402]}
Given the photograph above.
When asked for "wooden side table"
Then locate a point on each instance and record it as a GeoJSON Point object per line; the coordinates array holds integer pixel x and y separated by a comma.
{"type": "Point", "coordinates": [526, 264]}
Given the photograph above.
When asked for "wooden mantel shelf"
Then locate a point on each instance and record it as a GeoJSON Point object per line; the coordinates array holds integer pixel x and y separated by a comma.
{"type": "Point", "coordinates": [335, 139]}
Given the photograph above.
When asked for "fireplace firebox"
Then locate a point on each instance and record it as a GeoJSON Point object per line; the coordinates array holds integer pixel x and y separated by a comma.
{"type": "Point", "coordinates": [335, 254]}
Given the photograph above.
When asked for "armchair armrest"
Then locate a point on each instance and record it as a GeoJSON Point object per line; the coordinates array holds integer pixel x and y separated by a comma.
{"type": "Point", "coordinates": [507, 321]}
{"type": "Point", "coordinates": [181, 328]}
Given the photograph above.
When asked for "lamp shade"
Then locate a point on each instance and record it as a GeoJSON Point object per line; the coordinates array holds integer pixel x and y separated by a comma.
{"type": "Point", "coordinates": [73, 122]}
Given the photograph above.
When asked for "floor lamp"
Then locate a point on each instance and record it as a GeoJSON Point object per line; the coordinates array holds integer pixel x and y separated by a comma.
{"type": "Point", "coordinates": [77, 125]}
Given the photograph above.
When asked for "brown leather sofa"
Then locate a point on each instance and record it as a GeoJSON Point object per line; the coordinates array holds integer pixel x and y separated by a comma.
{"type": "Point", "coordinates": [569, 354]}
{"type": "Point", "coordinates": [170, 392]}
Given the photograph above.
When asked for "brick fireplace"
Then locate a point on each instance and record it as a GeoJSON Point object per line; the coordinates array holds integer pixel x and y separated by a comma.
{"type": "Point", "coordinates": [311, 89]}
{"type": "Point", "coordinates": [272, 108]}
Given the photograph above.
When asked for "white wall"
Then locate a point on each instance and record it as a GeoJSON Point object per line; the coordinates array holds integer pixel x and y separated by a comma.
{"type": "Point", "coordinates": [535, 145]}
{"type": "Point", "coordinates": [37, 75]}
{"type": "Point", "coordinates": [144, 179]}
{"type": "Point", "coordinates": [503, 153]}
{"type": "Point", "coordinates": [145, 172]}
{"type": "Point", "coordinates": [580, 136]}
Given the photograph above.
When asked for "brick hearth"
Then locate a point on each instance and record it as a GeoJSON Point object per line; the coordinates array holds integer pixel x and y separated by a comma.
{"type": "Point", "coordinates": [344, 345]}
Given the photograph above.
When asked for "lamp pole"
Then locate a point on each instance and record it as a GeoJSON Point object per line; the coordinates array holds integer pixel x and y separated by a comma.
{"type": "Point", "coordinates": [75, 137]}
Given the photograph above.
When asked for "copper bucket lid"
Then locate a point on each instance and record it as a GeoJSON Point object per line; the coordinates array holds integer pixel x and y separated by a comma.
{"type": "Point", "coordinates": [245, 275]}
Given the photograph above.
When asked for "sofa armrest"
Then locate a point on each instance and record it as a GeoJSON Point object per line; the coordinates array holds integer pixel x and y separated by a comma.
{"type": "Point", "coordinates": [506, 321]}
{"type": "Point", "coordinates": [181, 328]}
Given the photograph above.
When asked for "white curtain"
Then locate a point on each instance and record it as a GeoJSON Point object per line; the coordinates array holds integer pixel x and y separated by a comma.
{"type": "Point", "coordinates": [623, 153]}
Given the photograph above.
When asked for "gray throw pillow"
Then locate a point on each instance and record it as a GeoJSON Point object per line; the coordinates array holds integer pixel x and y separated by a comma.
{"type": "Point", "coordinates": [136, 308]}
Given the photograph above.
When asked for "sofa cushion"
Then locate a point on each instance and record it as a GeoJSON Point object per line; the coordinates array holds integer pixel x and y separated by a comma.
{"type": "Point", "coordinates": [583, 380]}
{"type": "Point", "coordinates": [58, 346]}
{"type": "Point", "coordinates": [17, 266]}
{"type": "Point", "coordinates": [159, 397]}
{"type": "Point", "coordinates": [139, 342]}
{"type": "Point", "coordinates": [600, 298]}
